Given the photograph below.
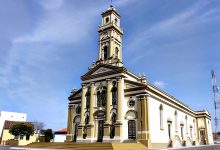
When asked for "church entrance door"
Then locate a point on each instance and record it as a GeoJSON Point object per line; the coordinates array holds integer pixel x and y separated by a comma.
{"type": "Point", "coordinates": [76, 132]}
{"type": "Point", "coordinates": [100, 130]}
{"type": "Point", "coordinates": [202, 137]}
{"type": "Point", "coordinates": [132, 129]}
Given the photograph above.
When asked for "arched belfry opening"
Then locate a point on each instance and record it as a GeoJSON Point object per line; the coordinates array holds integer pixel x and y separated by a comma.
{"type": "Point", "coordinates": [105, 52]}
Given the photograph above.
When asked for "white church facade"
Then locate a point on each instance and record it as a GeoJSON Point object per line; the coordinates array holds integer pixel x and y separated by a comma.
{"type": "Point", "coordinates": [116, 105]}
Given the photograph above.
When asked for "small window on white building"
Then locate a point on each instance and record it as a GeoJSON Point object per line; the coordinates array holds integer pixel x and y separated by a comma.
{"type": "Point", "coordinates": [191, 131]}
{"type": "Point", "coordinates": [169, 129]}
{"type": "Point", "coordinates": [161, 116]}
{"type": "Point", "coordinates": [176, 121]}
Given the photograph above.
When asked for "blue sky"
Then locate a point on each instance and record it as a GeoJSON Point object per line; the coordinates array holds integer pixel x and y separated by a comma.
{"type": "Point", "coordinates": [46, 45]}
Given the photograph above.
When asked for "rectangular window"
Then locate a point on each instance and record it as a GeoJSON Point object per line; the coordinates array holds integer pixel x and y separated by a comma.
{"type": "Point", "coordinates": [21, 137]}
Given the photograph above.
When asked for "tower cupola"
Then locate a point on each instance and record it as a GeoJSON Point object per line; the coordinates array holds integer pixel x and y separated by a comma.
{"type": "Point", "coordinates": [110, 38]}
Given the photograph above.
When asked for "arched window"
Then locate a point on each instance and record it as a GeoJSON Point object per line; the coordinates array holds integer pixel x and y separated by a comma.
{"type": "Point", "coordinates": [181, 127]}
{"type": "Point", "coordinates": [194, 126]}
{"type": "Point", "coordinates": [116, 52]}
{"type": "Point", "coordinates": [191, 131]}
{"type": "Point", "coordinates": [161, 116]}
{"type": "Point", "coordinates": [87, 99]}
{"type": "Point", "coordinates": [105, 51]}
{"type": "Point", "coordinates": [103, 98]}
{"type": "Point", "coordinates": [113, 121]}
{"type": "Point", "coordinates": [186, 124]}
{"type": "Point", "coordinates": [99, 104]}
{"type": "Point", "coordinates": [176, 121]}
{"type": "Point", "coordinates": [114, 94]}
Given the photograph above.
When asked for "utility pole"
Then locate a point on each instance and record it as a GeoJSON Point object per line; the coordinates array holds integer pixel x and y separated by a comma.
{"type": "Point", "coordinates": [216, 100]}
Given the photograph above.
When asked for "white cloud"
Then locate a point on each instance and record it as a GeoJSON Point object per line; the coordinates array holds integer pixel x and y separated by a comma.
{"type": "Point", "coordinates": [159, 84]}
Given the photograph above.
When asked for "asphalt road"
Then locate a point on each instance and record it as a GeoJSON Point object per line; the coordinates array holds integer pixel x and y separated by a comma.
{"type": "Point", "coordinates": [212, 147]}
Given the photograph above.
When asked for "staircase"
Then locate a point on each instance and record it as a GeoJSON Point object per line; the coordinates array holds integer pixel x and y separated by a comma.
{"type": "Point", "coordinates": [87, 146]}
{"type": "Point", "coordinates": [71, 145]}
{"type": "Point", "coordinates": [128, 146]}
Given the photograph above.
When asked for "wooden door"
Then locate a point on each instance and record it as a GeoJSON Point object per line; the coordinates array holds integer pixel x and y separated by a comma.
{"type": "Point", "coordinates": [131, 129]}
{"type": "Point", "coordinates": [100, 130]}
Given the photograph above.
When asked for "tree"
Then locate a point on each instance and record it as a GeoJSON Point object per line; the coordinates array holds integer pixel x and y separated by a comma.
{"type": "Point", "coordinates": [38, 126]}
{"type": "Point", "coordinates": [21, 129]}
{"type": "Point", "coordinates": [48, 134]}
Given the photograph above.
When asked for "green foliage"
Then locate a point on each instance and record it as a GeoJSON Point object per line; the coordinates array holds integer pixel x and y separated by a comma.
{"type": "Point", "coordinates": [48, 134]}
{"type": "Point", "coordinates": [21, 129]}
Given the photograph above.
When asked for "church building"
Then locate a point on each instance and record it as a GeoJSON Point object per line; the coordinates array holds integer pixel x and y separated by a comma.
{"type": "Point", "coordinates": [116, 105]}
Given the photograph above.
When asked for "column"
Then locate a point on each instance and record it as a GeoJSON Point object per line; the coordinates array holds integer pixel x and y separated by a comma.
{"type": "Point", "coordinates": [69, 136]}
{"type": "Point", "coordinates": [90, 126]}
{"type": "Point", "coordinates": [91, 107]}
{"type": "Point", "coordinates": [82, 117]}
{"type": "Point", "coordinates": [118, 124]}
{"type": "Point", "coordinates": [119, 100]}
{"type": "Point", "coordinates": [107, 121]}
{"type": "Point", "coordinates": [108, 101]}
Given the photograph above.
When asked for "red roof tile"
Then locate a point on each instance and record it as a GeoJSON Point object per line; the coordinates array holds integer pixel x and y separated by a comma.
{"type": "Point", "coordinates": [9, 124]}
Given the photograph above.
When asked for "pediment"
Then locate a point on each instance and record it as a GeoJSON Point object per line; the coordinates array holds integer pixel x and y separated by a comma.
{"type": "Point", "coordinates": [101, 70]}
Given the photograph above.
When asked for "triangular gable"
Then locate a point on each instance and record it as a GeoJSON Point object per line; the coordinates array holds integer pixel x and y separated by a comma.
{"type": "Point", "coordinates": [101, 70]}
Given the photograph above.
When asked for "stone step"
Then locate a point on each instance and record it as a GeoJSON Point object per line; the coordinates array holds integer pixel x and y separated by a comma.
{"type": "Point", "coordinates": [86, 146]}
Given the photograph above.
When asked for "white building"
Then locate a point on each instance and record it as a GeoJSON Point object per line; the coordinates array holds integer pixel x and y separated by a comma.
{"type": "Point", "coordinates": [60, 135]}
{"type": "Point", "coordinates": [11, 116]}
{"type": "Point", "coordinates": [115, 104]}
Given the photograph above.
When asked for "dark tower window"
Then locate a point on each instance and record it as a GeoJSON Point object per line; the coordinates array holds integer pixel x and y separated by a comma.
{"type": "Point", "coordinates": [116, 52]}
{"type": "Point", "coordinates": [105, 52]}
{"type": "Point", "coordinates": [106, 19]}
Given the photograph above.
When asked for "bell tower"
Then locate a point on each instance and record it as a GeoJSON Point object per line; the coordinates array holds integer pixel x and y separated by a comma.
{"type": "Point", "coordinates": [110, 38]}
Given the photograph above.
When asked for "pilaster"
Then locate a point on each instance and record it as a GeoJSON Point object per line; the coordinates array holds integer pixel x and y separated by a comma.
{"type": "Point", "coordinates": [118, 124]}
{"type": "Point", "coordinates": [83, 105]}
{"type": "Point", "coordinates": [69, 136]}
{"type": "Point", "coordinates": [90, 126]}
{"type": "Point", "coordinates": [82, 117]}
{"type": "Point", "coordinates": [119, 100]}
{"type": "Point", "coordinates": [91, 108]}
{"type": "Point", "coordinates": [143, 134]}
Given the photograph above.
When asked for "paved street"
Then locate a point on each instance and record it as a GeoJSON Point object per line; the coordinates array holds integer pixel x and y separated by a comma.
{"type": "Point", "coordinates": [213, 147]}
{"type": "Point", "coordinates": [4, 147]}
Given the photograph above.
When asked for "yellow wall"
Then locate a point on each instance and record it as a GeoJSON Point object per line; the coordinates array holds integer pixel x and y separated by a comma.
{"type": "Point", "coordinates": [7, 136]}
